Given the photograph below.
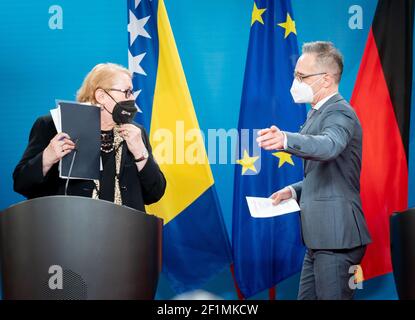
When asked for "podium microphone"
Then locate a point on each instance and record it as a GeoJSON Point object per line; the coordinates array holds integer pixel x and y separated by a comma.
{"type": "Point", "coordinates": [75, 151]}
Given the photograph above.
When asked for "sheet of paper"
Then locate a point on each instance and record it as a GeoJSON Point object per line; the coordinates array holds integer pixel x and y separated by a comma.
{"type": "Point", "coordinates": [56, 116]}
{"type": "Point", "coordinates": [263, 207]}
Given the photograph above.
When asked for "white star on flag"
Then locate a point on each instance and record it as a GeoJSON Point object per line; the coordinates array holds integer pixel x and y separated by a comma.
{"type": "Point", "coordinates": [136, 94]}
{"type": "Point", "coordinates": [137, 2]}
{"type": "Point", "coordinates": [136, 27]}
{"type": "Point", "coordinates": [134, 63]}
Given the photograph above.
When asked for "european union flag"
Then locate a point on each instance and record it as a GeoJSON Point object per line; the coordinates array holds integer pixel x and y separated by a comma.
{"type": "Point", "coordinates": [267, 250]}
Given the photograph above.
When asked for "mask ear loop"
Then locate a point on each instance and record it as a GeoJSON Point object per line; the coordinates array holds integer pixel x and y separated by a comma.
{"type": "Point", "coordinates": [103, 106]}
{"type": "Point", "coordinates": [311, 85]}
{"type": "Point", "coordinates": [317, 80]}
{"type": "Point", "coordinates": [110, 96]}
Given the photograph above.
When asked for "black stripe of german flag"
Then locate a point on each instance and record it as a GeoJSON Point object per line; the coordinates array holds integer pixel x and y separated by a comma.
{"type": "Point", "coordinates": [382, 100]}
{"type": "Point", "coordinates": [393, 33]}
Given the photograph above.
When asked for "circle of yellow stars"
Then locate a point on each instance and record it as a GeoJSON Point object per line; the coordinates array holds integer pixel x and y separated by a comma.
{"type": "Point", "coordinates": [247, 162]}
{"type": "Point", "coordinates": [288, 25]}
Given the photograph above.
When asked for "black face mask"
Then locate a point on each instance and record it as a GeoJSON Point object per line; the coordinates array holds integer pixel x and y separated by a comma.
{"type": "Point", "coordinates": [123, 112]}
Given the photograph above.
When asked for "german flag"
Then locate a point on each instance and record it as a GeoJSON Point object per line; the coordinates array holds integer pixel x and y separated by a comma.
{"type": "Point", "coordinates": [382, 100]}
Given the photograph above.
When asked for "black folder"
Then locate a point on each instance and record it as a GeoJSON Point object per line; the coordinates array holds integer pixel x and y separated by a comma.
{"type": "Point", "coordinates": [83, 124]}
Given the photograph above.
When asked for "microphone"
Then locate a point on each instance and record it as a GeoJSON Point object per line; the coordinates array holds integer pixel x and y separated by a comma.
{"type": "Point", "coordinates": [75, 151]}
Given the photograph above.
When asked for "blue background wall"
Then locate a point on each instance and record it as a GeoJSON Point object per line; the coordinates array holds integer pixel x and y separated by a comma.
{"type": "Point", "coordinates": [38, 65]}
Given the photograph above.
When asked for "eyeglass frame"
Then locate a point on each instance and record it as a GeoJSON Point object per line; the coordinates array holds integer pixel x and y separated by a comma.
{"type": "Point", "coordinates": [127, 92]}
{"type": "Point", "coordinates": [300, 77]}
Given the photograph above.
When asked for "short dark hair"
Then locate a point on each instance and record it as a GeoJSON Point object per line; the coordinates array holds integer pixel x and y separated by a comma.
{"type": "Point", "coordinates": [327, 56]}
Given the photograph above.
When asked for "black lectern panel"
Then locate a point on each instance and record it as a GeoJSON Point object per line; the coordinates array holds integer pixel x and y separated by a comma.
{"type": "Point", "coordinates": [402, 229]}
{"type": "Point", "coordinates": [78, 248]}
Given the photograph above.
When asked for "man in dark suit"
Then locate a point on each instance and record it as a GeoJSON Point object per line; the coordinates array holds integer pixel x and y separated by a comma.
{"type": "Point", "coordinates": [330, 142]}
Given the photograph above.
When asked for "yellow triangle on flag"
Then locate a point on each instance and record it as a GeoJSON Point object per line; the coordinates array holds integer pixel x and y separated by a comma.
{"type": "Point", "coordinates": [177, 142]}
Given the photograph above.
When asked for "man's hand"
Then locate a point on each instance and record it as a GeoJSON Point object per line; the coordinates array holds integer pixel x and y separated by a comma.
{"type": "Point", "coordinates": [280, 195]}
{"type": "Point", "coordinates": [271, 138]}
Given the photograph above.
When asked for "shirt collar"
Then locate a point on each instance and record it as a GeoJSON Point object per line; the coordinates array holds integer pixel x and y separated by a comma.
{"type": "Point", "coordinates": [323, 101]}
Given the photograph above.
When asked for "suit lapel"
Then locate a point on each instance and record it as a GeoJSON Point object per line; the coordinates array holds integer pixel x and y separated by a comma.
{"type": "Point", "coordinates": [312, 120]}
{"type": "Point", "coordinates": [308, 122]}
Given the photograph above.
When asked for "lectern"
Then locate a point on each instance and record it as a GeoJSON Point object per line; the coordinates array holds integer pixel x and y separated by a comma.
{"type": "Point", "coordinates": [402, 236]}
{"type": "Point", "coordinates": [65, 247]}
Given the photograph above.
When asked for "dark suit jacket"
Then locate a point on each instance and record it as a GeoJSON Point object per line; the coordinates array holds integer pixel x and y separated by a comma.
{"type": "Point", "coordinates": [137, 188]}
{"type": "Point", "coordinates": [329, 195]}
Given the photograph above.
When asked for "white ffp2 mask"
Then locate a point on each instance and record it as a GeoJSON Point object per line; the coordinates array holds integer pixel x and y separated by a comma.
{"type": "Point", "coordinates": [302, 92]}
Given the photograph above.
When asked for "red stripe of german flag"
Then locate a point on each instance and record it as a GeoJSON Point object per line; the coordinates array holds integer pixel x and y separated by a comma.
{"type": "Point", "coordinates": [382, 100]}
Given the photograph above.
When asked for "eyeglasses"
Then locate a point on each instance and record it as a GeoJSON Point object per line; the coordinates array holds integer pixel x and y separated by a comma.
{"type": "Point", "coordinates": [300, 77]}
{"type": "Point", "coordinates": [127, 92]}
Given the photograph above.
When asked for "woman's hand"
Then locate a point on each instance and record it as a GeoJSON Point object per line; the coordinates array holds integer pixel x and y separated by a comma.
{"type": "Point", "coordinates": [58, 147]}
{"type": "Point", "coordinates": [132, 135]}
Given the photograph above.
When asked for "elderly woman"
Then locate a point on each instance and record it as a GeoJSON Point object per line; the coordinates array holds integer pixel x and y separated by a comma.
{"type": "Point", "coordinates": [130, 176]}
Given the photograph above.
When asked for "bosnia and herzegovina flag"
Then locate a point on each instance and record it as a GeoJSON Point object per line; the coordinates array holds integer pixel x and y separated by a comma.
{"type": "Point", "coordinates": [195, 242]}
{"type": "Point", "coordinates": [382, 99]}
{"type": "Point", "coordinates": [267, 250]}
